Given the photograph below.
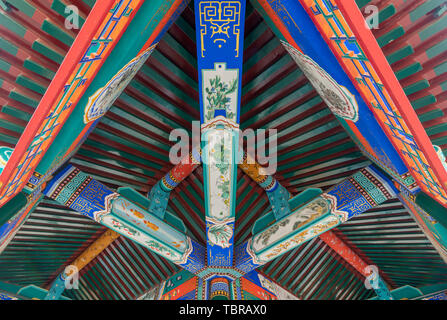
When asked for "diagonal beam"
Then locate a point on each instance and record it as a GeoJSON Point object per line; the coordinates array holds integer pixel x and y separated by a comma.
{"type": "Point", "coordinates": [331, 44]}
{"type": "Point", "coordinates": [292, 25]}
{"type": "Point", "coordinates": [312, 213]}
{"type": "Point", "coordinates": [278, 195]}
{"type": "Point", "coordinates": [160, 192]}
{"type": "Point", "coordinates": [220, 35]}
{"type": "Point", "coordinates": [127, 215]}
{"type": "Point", "coordinates": [409, 135]}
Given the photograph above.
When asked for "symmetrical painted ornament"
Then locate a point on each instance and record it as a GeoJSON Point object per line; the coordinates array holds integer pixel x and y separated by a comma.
{"type": "Point", "coordinates": [220, 171]}
{"type": "Point", "coordinates": [310, 212]}
{"type": "Point", "coordinates": [129, 230]}
{"type": "Point", "coordinates": [102, 99]}
{"type": "Point", "coordinates": [337, 97]}
{"type": "Point", "coordinates": [302, 225]}
{"type": "Point", "coordinates": [5, 154]}
{"type": "Point", "coordinates": [149, 224]}
{"type": "Point", "coordinates": [210, 271]}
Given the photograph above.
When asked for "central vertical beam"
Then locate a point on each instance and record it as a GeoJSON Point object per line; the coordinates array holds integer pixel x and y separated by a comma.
{"type": "Point", "coordinates": [220, 35]}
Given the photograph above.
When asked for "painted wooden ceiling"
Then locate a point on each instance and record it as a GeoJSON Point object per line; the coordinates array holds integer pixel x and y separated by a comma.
{"type": "Point", "coordinates": [130, 147]}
